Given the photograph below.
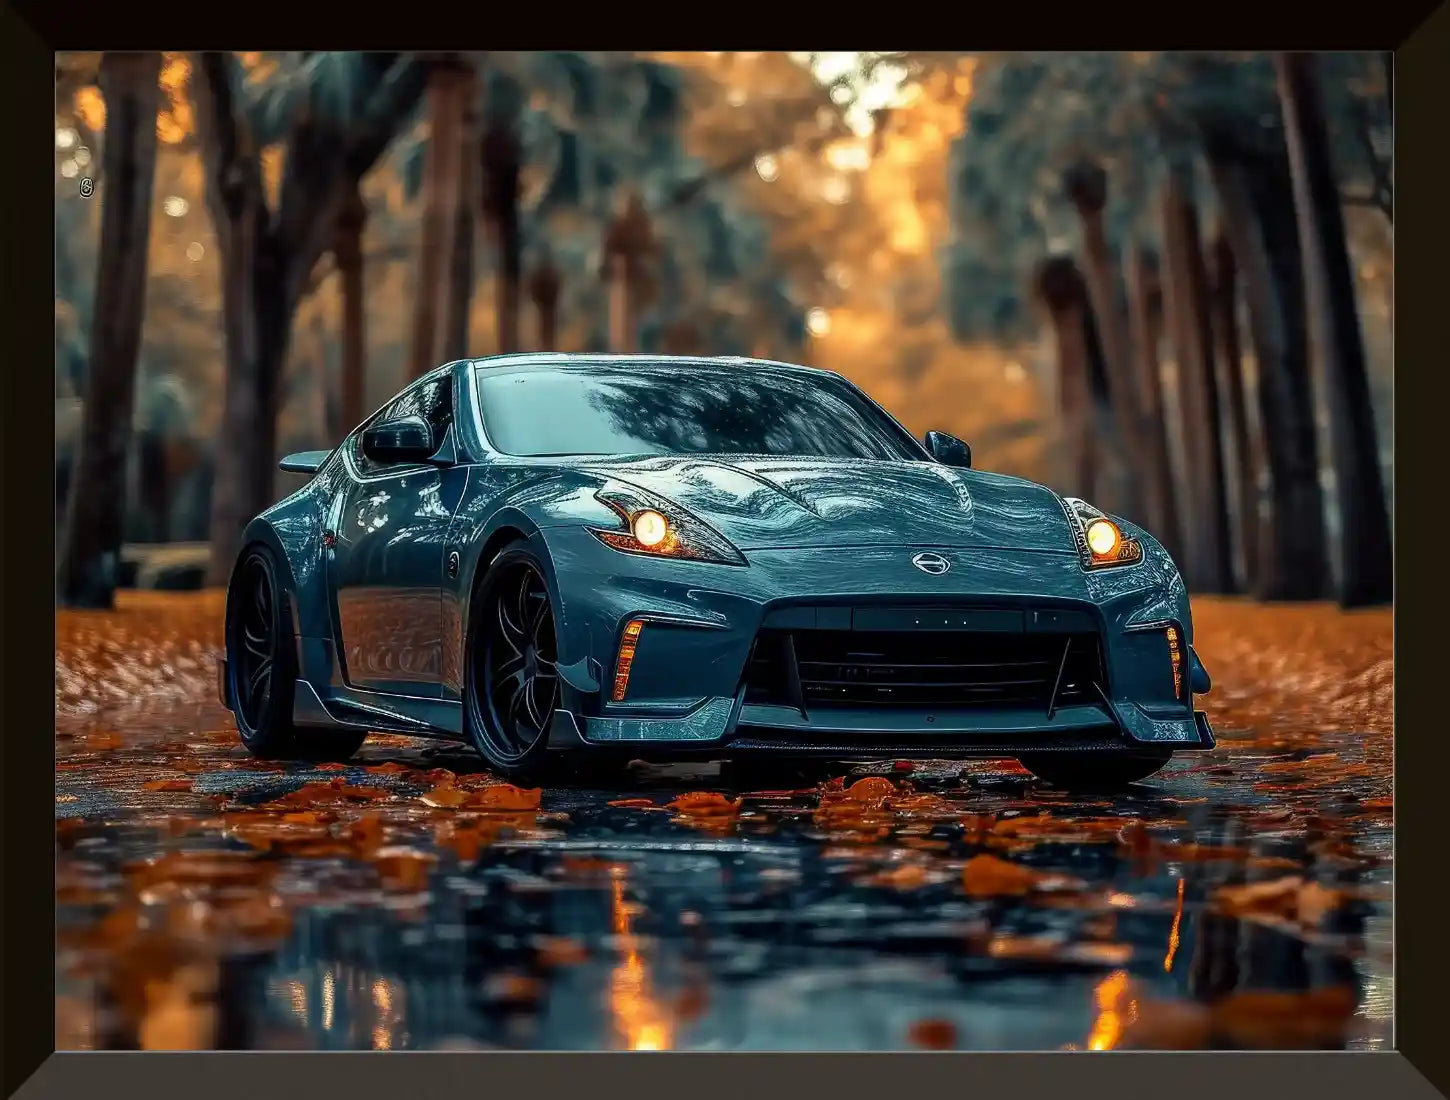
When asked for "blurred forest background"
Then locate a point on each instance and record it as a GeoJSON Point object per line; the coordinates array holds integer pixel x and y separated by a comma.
{"type": "Point", "coordinates": [1160, 281]}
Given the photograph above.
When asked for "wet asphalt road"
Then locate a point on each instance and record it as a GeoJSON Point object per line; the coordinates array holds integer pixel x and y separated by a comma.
{"type": "Point", "coordinates": [410, 901]}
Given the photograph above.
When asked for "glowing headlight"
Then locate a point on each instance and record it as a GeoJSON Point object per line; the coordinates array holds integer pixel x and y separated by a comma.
{"type": "Point", "coordinates": [1100, 541]}
{"type": "Point", "coordinates": [649, 525]}
{"type": "Point", "coordinates": [650, 528]}
{"type": "Point", "coordinates": [1102, 537]}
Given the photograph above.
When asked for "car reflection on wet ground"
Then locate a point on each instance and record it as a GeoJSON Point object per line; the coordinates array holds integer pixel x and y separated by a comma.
{"type": "Point", "coordinates": [408, 900]}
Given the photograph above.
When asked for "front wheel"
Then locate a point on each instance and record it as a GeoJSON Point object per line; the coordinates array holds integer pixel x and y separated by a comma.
{"type": "Point", "coordinates": [511, 674]}
{"type": "Point", "coordinates": [1083, 771]}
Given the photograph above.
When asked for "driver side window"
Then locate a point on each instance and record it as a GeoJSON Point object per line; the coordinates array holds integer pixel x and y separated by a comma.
{"type": "Point", "coordinates": [432, 400]}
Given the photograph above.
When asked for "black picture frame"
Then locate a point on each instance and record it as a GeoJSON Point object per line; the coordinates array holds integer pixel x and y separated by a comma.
{"type": "Point", "coordinates": [30, 33]}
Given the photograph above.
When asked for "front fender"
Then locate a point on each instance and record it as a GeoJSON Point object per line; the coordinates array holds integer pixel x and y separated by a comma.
{"type": "Point", "coordinates": [503, 506]}
{"type": "Point", "coordinates": [1157, 572]}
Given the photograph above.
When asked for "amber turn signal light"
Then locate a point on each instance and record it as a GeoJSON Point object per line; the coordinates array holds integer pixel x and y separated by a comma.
{"type": "Point", "coordinates": [627, 646]}
{"type": "Point", "coordinates": [1175, 651]}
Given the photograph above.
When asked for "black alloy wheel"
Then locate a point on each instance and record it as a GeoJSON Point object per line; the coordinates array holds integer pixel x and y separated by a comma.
{"type": "Point", "coordinates": [262, 668]}
{"type": "Point", "coordinates": [255, 651]}
{"type": "Point", "coordinates": [514, 666]}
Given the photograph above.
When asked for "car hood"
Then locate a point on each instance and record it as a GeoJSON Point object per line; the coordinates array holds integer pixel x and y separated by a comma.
{"type": "Point", "coordinates": [761, 503]}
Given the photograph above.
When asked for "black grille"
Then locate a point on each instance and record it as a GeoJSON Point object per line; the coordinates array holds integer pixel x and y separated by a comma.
{"type": "Point", "coordinates": [939, 669]}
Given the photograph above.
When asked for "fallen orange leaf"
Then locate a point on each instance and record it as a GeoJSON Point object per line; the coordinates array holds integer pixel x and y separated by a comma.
{"type": "Point", "coordinates": [366, 833]}
{"type": "Point", "coordinates": [873, 788]}
{"type": "Point", "coordinates": [1159, 1024]}
{"type": "Point", "coordinates": [704, 804]}
{"type": "Point", "coordinates": [988, 876]}
{"type": "Point", "coordinates": [505, 796]}
{"type": "Point", "coordinates": [933, 1034]}
{"type": "Point", "coordinates": [513, 988]}
{"type": "Point", "coordinates": [909, 876]}
{"type": "Point", "coordinates": [1285, 1020]}
{"type": "Point", "coordinates": [923, 843]}
{"type": "Point", "coordinates": [167, 785]}
{"type": "Point", "coordinates": [561, 951]}
{"type": "Point", "coordinates": [389, 767]}
{"type": "Point", "coordinates": [1291, 897]}
{"type": "Point", "coordinates": [404, 869]}
{"type": "Point", "coordinates": [692, 1002]}
{"type": "Point", "coordinates": [1054, 949]}
{"type": "Point", "coordinates": [445, 797]}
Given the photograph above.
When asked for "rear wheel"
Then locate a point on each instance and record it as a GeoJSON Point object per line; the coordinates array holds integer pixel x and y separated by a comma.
{"type": "Point", "coordinates": [262, 668]}
{"type": "Point", "coordinates": [1082, 771]}
{"type": "Point", "coordinates": [512, 675]}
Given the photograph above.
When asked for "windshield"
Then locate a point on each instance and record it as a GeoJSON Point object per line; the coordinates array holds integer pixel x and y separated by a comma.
{"type": "Point", "coordinates": [694, 409]}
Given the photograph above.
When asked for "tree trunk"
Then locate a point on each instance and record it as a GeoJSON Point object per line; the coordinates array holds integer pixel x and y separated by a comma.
{"type": "Point", "coordinates": [1086, 185]}
{"type": "Point", "coordinates": [441, 175]}
{"type": "Point", "coordinates": [458, 301]}
{"type": "Point", "coordinates": [267, 257]}
{"type": "Point", "coordinates": [1110, 461]}
{"type": "Point", "coordinates": [90, 554]}
{"type": "Point", "coordinates": [1366, 573]}
{"type": "Point", "coordinates": [1060, 287]}
{"type": "Point", "coordinates": [347, 250]}
{"type": "Point", "coordinates": [257, 323]}
{"type": "Point", "coordinates": [544, 286]}
{"type": "Point", "coordinates": [1229, 373]}
{"type": "Point", "coordinates": [502, 154]}
{"type": "Point", "coordinates": [1145, 325]}
{"type": "Point", "coordinates": [510, 273]}
{"type": "Point", "coordinates": [324, 411]}
{"type": "Point", "coordinates": [1208, 558]}
{"type": "Point", "coordinates": [1259, 223]}
{"type": "Point", "coordinates": [629, 242]}
{"type": "Point", "coordinates": [621, 309]}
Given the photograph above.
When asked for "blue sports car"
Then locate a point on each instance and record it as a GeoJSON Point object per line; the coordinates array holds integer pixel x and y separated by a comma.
{"type": "Point", "coordinates": [582, 558]}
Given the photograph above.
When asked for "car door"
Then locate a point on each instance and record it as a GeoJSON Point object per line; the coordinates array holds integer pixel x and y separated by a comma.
{"type": "Point", "coordinates": [391, 523]}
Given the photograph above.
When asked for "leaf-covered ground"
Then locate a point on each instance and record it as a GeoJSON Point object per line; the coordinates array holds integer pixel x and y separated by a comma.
{"type": "Point", "coordinates": [409, 900]}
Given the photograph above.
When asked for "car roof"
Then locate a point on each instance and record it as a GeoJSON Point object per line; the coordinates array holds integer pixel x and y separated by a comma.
{"type": "Point", "coordinates": [565, 359]}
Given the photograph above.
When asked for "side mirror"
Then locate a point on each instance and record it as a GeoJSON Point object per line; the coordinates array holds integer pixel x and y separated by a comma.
{"type": "Point", "coordinates": [402, 439]}
{"type": "Point", "coordinates": [304, 462]}
{"type": "Point", "coordinates": [948, 449]}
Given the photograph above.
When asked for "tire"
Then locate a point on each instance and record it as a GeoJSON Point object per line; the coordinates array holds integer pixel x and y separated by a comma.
{"type": "Point", "coordinates": [262, 668]}
{"type": "Point", "coordinates": [1081, 771]}
{"type": "Point", "coordinates": [511, 680]}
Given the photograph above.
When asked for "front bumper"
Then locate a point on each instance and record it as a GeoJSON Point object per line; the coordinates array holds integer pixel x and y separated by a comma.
{"type": "Point", "coordinates": [716, 727]}
{"type": "Point", "coordinates": [686, 690]}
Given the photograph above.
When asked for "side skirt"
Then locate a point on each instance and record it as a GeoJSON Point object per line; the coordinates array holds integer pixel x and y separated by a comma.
{"type": "Point", "coordinates": [356, 710]}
